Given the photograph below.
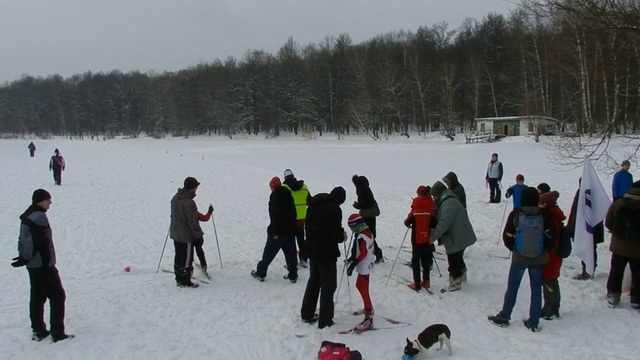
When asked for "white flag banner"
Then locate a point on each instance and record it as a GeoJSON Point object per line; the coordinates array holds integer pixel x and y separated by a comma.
{"type": "Point", "coordinates": [593, 204]}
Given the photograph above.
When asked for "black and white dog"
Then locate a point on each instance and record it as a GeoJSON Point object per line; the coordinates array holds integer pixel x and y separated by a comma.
{"type": "Point", "coordinates": [427, 338]}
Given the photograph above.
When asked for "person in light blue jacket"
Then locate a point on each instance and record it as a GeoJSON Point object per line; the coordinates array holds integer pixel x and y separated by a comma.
{"type": "Point", "coordinates": [622, 181]}
{"type": "Point", "coordinates": [516, 190]}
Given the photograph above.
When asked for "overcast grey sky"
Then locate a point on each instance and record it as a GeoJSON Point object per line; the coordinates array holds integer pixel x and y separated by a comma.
{"type": "Point", "coordinates": [42, 37]}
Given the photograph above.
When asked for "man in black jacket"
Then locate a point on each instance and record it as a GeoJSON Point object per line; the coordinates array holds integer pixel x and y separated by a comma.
{"type": "Point", "coordinates": [280, 232]}
{"type": "Point", "coordinates": [368, 209]}
{"type": "Point", "coordinates": [324, 233]}
{"type": "Point", "coordinates": [36, 251]}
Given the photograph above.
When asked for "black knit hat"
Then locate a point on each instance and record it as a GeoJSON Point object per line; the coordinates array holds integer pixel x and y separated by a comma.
{"type": "Point", "coordinates": [529, 197]}
{"type": "Point", "coordinates": [544, 188]}
{"type": "Point", "coordinates": [339, 194]}
{"type": "Point", "coordinates": [40, 195]}
{"type": "Point", "coordinates": [191, 183]}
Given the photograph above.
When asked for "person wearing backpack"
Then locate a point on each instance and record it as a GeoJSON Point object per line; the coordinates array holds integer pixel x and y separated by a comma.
{"type": "Point", "coordinates": [623, 220]}
{"type": "Point", "coordinates": [598, 235]}
{"type": "Point", "coordinates": [551, 270]}
{"type": "Point", "coordinates": [57, 165]}
{"type": "Point", "coordinates": [528, 233]}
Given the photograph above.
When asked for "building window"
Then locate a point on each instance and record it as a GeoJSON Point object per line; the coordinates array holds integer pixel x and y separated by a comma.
{"type": "Point", "coordinates": [531, 126]}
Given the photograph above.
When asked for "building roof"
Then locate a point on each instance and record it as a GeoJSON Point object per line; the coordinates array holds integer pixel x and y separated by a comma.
{"type": "Point", "coordinates": [505, 118]}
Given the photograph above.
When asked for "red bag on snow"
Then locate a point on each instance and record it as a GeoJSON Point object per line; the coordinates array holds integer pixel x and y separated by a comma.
{"type": "Point", "coordinates": [337, 351]}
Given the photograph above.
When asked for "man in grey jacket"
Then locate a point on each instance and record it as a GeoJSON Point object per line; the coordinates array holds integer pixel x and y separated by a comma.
{"type": "Point", "coordinates": [185, 231]}
{"type": "Point", "coordinates": [36, 251]}
{"type": "Point", "coordinates": [493, 178]}
{"type": "Point", "coordinates": [452, 229]}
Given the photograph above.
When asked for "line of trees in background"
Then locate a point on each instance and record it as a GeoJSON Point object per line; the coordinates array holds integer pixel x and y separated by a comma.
{"type": "Point", "coordinates": [574, 60]}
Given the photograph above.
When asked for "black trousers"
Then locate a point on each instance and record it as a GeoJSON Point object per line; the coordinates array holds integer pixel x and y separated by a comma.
{"type": "Point", "coordinates": [300, 240]}
{"type": "Point", "coordinates": [183, 262]}
{"type": "Point", "coordinates": [46, 284]}
{"type": "Point", "coordinates": [421, 254]}
{"type": "Point", "coordinates": [371, 223]}
{"type": "Point", "coordinates": [551, 296]}
{"type": "Point", "coordinates": [616, 273]}
{"type": "Point", "coordinates": [287, 244]}
{"type": "Point", "coordinates": [494, 191]}
{"type": "Point", "coordinates": [456, 264]}
{"type": "Point", "coordinates": [57, 176]}
{"type": "Point", "coordinates": [322, 282]}
{"type": "Point", "coordinates": [200, 251]}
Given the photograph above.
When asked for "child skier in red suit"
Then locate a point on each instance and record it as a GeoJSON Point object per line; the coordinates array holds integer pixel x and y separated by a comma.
{"type": "Point", "coordinates": [551, 270]}
{"type": "Point", "coordinates": [421, 250]}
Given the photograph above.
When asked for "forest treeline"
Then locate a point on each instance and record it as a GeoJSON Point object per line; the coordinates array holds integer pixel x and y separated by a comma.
{"type": "Point", "coordinates": [573, 60]}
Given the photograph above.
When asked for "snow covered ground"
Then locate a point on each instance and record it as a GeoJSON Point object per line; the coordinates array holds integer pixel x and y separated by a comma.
{"type": "Point", "coordinates": [112, 211]}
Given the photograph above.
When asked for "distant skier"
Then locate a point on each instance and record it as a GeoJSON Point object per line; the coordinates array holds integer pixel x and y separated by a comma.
{"type": "Point", "coordinates": [32, 149]}
{"type": "Point", "coordinates": [57, 165]}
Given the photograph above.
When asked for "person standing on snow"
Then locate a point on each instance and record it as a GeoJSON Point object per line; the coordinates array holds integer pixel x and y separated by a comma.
{"type": "Point", "coordinates": [515, 191]}
{"type": "Point", "coordinates": [451, 180]}
{"type": "Point", "coordinates": [324, 233]}
{"type": "Point", "coordinates": [58, 165]}
{"type": "Point", "coordinates": [493, 178]}
{"type": "Point", "coordinates": [422, 249]}
{"type": "Point", "coordinates": [551, 270]}
{"type": "Point", "coordinates": [301, 198]}
{"type": "Point", "coordinates": [622, 181]}
{"type": "Point", "coordinates": [368, 209]}
{"type": "Point", "coordinates": [32, 149]}
{"type": "Point", "coordinates": [280, 232]}
{"type": "Point", "coordinates": [453, 230]}
{"type": "Point", "coordinates": [362, 260]}
{"type": "Point", "coordinates": [37, 253]}
{"type": "Point", "coordinates": [185, 231]}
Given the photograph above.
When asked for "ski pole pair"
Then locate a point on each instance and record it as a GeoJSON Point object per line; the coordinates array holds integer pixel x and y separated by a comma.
{"type": "Point", "coordinates": [398, 254]}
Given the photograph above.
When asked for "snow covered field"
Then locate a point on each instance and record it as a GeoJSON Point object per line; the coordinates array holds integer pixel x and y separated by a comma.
{"type": "Point", "coordinates": [112, 211]}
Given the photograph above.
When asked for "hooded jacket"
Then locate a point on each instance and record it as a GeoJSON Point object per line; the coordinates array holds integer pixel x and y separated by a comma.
{"type": "Point", "coordinates": [324, 225]}
{"type": "Point", "coordinates": [35, 242]}
{"type": "Point", "coordinates": [185, 226]}
{"type": "Point", "coordinates": [457, 188]}
{"type": "Point", "coordinates": [282, 212]}
{"type": "Point", "coordinates": [620, 246]}
{"type": "Point", "coordinates": [453, 228]}
{"type": "Point", "coordinates": [301, 195]}
{"type": "Point", "coordinates": [365, 202]}
{"type": "Point", "coordinates": [551, 270]}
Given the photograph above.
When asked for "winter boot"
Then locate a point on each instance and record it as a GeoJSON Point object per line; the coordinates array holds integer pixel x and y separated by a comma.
{"type": "Point", "coordinates": [583, 276]}
{"type": "Point", "coordinates": [426, 285]}
{"type": "Point", "coordinates": [203, 264]}
{"type": "Point", "coordinates": [187, 284]}
{"type": "Point", "coordinates": [464, 274]}
{"type": "Point", "coordinates": [499, 320]}
{"type": "Point", "coordinates": [254, 274]}
{"type": "Point", "coordinates": [415, 286]}
{"type": "Point", "coordinates": [293, 280]}
{"type": "Point", "coordinates": [530, 326]}
{"type": "Point", "coordinates": [59, 337]}
{"type": "Point", "coordinates": [455, 284]}
{"type": "Point", "coordinates": [40, 335]}
{"type": "Point", "coordinates": [613, 299]}
{"type": "Point", "coordinates": [312, 320]}
{"type": "Point", "coordinates": [366, 324]}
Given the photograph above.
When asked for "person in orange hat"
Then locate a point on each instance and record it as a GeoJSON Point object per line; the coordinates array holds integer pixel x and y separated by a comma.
{"type": "Point", "coordinates": [280, 232]}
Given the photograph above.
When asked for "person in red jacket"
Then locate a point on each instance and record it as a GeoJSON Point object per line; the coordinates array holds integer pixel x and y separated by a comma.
{"type": "Point", "coordinates": [200, 242]}
{"type": "Point", "coordinates": [421, 249]}
{"type": "Point", "coordinates": [551, 270]}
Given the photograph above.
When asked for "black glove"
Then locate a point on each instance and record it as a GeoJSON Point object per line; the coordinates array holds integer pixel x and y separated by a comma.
{"type": "Point", "coordinates": [210, 209]}
{"type": "Point", "coordinates": [18, 261]}
{"type": "Point", "coordinates": [356, 205]}
{"type": "Point", "coordinates": [352, 265]}
{"type": "Point", "coordinates": [508, 193]}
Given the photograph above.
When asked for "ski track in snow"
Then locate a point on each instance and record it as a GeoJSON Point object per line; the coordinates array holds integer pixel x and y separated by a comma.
{"type": "Point", "coordinates": [112, 211]}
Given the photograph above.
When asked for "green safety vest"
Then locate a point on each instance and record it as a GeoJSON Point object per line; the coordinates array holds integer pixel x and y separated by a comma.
{"type": "Point", "coordinates": [300, 200]}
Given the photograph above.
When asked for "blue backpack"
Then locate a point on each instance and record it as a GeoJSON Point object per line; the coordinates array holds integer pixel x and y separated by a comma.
{"type": "Point", "coordinates": [530, 235]}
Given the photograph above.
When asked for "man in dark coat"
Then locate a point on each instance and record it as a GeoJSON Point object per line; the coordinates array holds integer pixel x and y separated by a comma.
{"type": "Point", "coordinates": [57, 165]}
{"type": "Point", "coordinates": [36, 251]}
{"type": "Point", "coordinates": [32, 149]}
{"type": "Point", "coordinates": [598, 234]}
{"type": "Point", "coordinates": [368, 210]}
{"type": "Point", "coordinates": [280, 232]}
{"type": "Point", "coordinates": [451, 180]}
{"type": "Point", "coordinates": [185, 231]}
{"type": "Point", "coordinates": [324, 233]}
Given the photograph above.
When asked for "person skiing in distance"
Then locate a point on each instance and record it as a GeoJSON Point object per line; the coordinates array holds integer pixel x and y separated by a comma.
{"type": "Point", "coordinates": [32, 149]}
{"type": "Point", "coordinates": [453, 230]}
{"type": "Point", "coordinates": [199, 243]}
{"type": "Point", "coordinates": [36, 251]}
{"type": "Point", "coordinates": [422, 249]}
{"type": "Point", "coordinates": [515, 191]}
{"type": "Point", "coordinates": [529, 253]}
{"type": "Point", "coordinates": [362, 260]}
{"type": "Point", "coordinates": [301, 198]}
{"type": "Point", "coordinates": [622, 181]}
{"type": "Point", "coordinates": [451, 180]}
{"type": "Point", "coordinates": [598, 234]}
{"type": "Point", "coordinates": [185, 231]}
{"type": "Point", "coordinates": [324, 233]}
{"type": "Point", "coordinates": [280, 232]}
{"type": "Point", "coordinates": [57, 165]}
{"type": "Point", "coordinates": [493, 178]}
{"type": "Point", "coordinates": [368, 209]}
{"type": "Point", "coordinates": [551, 270]}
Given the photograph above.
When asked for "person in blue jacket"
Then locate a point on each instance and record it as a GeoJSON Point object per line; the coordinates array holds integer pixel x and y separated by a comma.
{"type": "Point", "coordinates": [516, 190]}
{"type": "Point", "coordinates": [622, 181]}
